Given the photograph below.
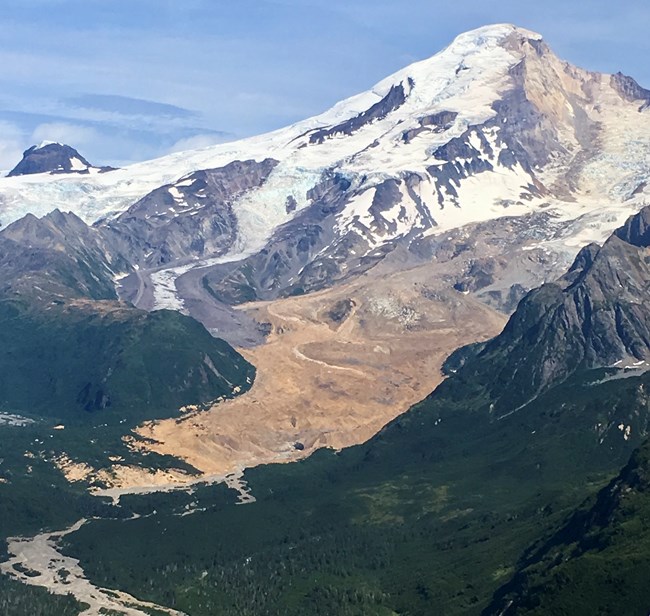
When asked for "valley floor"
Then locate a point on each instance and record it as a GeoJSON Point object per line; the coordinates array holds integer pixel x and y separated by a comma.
{"type": "Point", "coordinates": [36, 561]}
{"type": "Point", "coordinates": [326, 379]}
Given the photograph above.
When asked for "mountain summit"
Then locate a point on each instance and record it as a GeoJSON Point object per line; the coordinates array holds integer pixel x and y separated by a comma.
{"type": "Point", "coordinates": [53, 158]}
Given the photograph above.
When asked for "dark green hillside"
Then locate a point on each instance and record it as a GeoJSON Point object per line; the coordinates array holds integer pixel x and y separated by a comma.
{"type": "Point", "coordinates": [599, 562]}
{"type": "Point", "coordinates": [592, 317]}
{"type": "Point", "coordinates": [82, 358]}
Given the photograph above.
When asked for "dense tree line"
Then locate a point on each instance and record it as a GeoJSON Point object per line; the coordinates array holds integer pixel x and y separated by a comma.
{"type": "Point", "coordinates": [17, 599]}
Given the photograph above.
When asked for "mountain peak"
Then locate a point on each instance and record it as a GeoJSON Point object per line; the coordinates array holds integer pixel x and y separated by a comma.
{"type": "Point", "coordinates": [494, 125]}
{"type": "Point", "coordinates": [636, 230]}
{"type": "Point", "coordinates": [502, 42]}
{"type": "Point", "coordinates": [494, 33]}
{"type": "Point", "coordinates": [53, 158]}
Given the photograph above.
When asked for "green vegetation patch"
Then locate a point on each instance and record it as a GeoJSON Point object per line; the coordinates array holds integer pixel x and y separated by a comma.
{"type": "Point", "coordinates": [79, 360]}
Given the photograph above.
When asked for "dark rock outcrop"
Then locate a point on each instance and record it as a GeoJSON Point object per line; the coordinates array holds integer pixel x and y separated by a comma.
{"type": "Point", "coordinates": [393, 100]}
{"type": "Point", "coordinates": [57, 255]}
{"type": "Point", "coordinates": [191, 218]}
{"type": "Point", "coordinates": [53, 158]}
{"type": "Point", "coordinates": [630, 90]}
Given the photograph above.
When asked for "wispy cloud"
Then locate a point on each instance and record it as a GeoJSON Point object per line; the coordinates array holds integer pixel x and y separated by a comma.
{"type": "Point", "coordinates": [127, 105]}
{"type": "Point", "coordinates": [11, 145]}
{"type": "Point", "coordinates": [62, 132]}
{"type": "Point", "coordinates": [198, 141]}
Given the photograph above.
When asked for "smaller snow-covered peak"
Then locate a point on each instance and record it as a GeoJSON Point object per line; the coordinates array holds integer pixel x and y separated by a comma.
{"type": "Point", "coordinates": [50, 157]}
{"type": "Point", "coordinates": [53, 158]}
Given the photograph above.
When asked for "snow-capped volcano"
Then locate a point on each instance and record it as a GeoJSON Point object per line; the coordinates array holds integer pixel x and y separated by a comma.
{"type": "Point", "coordinates": [490, 75]}
{"type": "Point", "coordinates": [494, 125]}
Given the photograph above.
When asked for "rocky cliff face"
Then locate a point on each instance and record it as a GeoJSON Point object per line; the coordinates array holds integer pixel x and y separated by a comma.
{"type": "Point", "coordinates": [595, 316]}
{"type": "Point", "coordinates": [191, 218]}
{"type": "Point", "coordinates": [58, 255]}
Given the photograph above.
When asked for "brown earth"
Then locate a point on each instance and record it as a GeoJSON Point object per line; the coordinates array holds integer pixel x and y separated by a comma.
{"type": "Point", "coordinates": [338, 366]}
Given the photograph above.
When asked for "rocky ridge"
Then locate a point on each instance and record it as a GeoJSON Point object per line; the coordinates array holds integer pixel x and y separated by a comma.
{"type": "Point", "coordinates": [595, 316]}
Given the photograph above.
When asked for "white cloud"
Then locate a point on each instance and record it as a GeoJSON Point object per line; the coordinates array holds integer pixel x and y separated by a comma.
{"type": "Point", "coordinates": [70, 134]}
{"type": "Point", "coordinates": [12, 142]}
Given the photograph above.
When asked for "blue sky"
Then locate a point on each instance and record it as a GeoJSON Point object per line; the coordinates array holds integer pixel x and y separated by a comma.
{"type": "Point", "coordinates": [125, 81]}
